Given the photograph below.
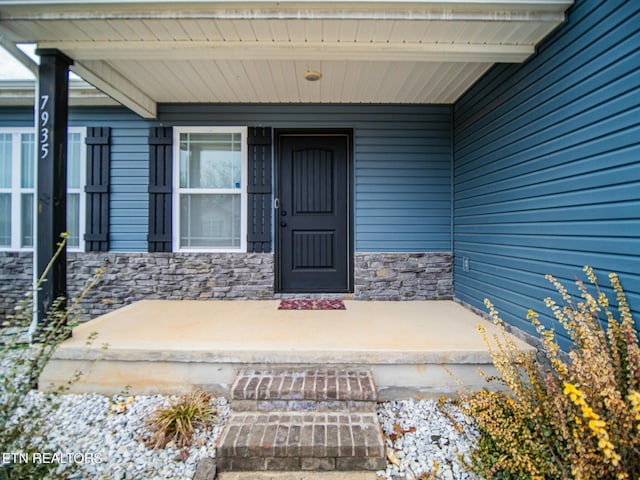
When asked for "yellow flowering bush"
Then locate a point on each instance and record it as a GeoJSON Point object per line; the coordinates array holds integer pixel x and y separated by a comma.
{"type": "Point", "coordinates": [565, 415]}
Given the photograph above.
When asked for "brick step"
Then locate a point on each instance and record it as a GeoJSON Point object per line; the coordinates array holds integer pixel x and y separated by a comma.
{"type": "Point", "coordinates": [293, 441]}
{"type": "Point", "coordinates": [303, 389]}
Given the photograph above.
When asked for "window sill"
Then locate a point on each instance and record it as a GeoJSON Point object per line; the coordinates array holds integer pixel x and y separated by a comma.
{"type": "Point", "coordinates": [210, 250]}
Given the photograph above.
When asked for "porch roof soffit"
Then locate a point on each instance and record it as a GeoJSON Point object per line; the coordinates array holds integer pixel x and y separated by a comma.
{"type": "Point", "coordinates": [140, 53]}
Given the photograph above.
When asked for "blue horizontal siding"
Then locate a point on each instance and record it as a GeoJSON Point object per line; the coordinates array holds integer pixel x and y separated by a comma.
{"type": "Point", "coordinates": [128, 205]}
{"type": "Point", "coordinates": [129, 174]}
{"type": "Point", "coordinates": [402, 163]}
{"type": "Point", "coordinates": [402, 181]}
{"type": "Point", "coordinates": [547, 166]}
{"type": "Point", "coordinates": [18, 117]}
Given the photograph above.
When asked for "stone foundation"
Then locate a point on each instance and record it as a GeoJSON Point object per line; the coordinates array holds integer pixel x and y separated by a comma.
{"type": "Point", "coordinates": [171, 276]}
{"type": "Point", "coordinates": [16, 279]}
{"type": "Point", "coordinates": [136, 276]}
{"type": "Point", "coordinates": [179, 276]}
{"type": "Point", "coordinates": [403, 276]}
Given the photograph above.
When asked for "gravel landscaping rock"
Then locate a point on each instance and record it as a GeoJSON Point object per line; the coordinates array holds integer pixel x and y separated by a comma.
{"type": "Point", "coordinates": [111, 445]}
{"type": "Point", "coordinates": [419, 436]}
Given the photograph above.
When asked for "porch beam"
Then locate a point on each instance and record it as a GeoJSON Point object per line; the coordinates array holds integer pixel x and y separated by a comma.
{"type": "Point", "coordinates": [105, 78]}
{"type": "Point", "coordinates": [18, 54]}
{"type": "Point", "coordinates": [235, 50]}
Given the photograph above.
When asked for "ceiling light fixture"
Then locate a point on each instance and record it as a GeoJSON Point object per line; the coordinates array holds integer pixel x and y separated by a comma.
{"type": "Point", "coordinates": [312, 75]}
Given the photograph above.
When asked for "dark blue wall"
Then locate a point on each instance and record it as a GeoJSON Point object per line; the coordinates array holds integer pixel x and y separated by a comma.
{"type": "Point", "coordinates": [402, 163]}
{"type": "Point", "coordinates": [402, 157]}
{"type": "Point", "coordinates": [547, 165]}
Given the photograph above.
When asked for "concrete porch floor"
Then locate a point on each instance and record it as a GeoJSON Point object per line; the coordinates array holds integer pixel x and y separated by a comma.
{"type": "Point", "coordinates": [173, 346]}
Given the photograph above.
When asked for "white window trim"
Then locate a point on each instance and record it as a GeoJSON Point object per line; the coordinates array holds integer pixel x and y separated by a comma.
{"type": "Point", "coordinates": [17, 190]}
{"type": "Point", "coordinates": [243, 187]}
{"type": "Point", "coordinates": [80, 190]}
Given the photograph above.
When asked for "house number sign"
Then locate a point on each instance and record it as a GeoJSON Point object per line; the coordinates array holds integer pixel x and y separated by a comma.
{"type": "Point", "coordinates": [45, 129]}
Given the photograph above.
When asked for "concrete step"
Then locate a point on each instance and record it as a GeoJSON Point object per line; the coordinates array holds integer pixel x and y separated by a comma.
{"type": "Point", "coordinates": [304, 389]}
{"type": "Point", "coordinates": [163, 346]}
{"type": "Point", "coordinates": [362, 475]}
{"type": "Point", "coordinates": [294, 441]}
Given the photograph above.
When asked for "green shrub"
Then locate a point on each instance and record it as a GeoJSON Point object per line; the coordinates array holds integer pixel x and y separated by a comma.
{"type": "Point", "coordinates": [178, 421]}
{"type": "Point", "coordinates": [563, 418]}
{"type": "Point", "coordinates": [22, 358]}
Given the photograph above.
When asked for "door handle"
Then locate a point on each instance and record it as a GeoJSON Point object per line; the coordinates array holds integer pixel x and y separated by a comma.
{"type": "Point", "coordinates": [283, 223]}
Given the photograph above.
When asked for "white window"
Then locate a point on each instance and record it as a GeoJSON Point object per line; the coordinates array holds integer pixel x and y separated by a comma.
{"type": "Point", "coordinates": [17, 188]}
{"type": "Point", "coordinates": [209, 201]}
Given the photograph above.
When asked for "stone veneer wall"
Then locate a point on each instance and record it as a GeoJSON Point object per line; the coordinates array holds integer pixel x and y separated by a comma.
{"type": "Point", "coordinates": [171, 276]}
{"type": "Point", "coordinates": [136, 276]}
{"type": "Point", "coordinates": [177, 276]}
{"type": "Point", "coordinates": [16, 279]}
{"type": "Point", "coordinates": [403, 276]}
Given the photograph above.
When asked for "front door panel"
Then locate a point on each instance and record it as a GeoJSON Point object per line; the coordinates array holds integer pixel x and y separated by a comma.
{"type": "Point", "coordinates": [313, 218]}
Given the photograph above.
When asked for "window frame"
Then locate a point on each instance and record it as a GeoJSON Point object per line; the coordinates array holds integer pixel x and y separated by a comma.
{"type": "Point", "coordinates": [16, 190]}
{"type": "Point", "coordinates": [177, 190]}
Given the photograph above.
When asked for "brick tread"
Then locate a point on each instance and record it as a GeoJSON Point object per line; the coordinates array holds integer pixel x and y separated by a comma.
{"type": "Point", "coordinates": [301, 441]}
{"type": "Point", "coordinates": [318, 385]}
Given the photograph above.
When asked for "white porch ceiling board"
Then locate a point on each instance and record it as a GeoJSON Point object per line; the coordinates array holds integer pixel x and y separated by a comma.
{"type": "Point", "coordinates": [313, 31]}
{"type": "Point", "coordinates": [461, 83]}
{"type": "Point", "coordinates": [135, 30]}
{"type": "Point", "coordinates": [227, 30]}
{"type": "Point", "coordinates": [296, 30]}
{"type": "Point", "coordinates": [190, 73]}
{"type": "Point", "coordinates": [142, 73]}
{"type": "Point", "coordinates": [238, 81]}
{"type": "Point", "coordinates": [369, 51]}
{"type": "Point", "coordinates": [261, 31]}
{"type": "Point", "coordinates": [382, 30]}
{"type": "Point", "coordinates": [332, 80]}
{"type": "Point", "coordinates": [411, 31]}
{"type": "Point", "coordinates": [277, 31]}
{"type": "Point", "coordinates": [169, 30]}
{"type": "Point", "coordinates": [244, 30]}
{"type": "Point", "coordinates": [538, 32]}
{"type": "Point", "coordinates": [435, 81]}
{"type": "Point", "coordinates": [260, 77]}
{"type": "Point", "coordinates": [196, 32]}
{"type": "Point", "coordinates": [331, 31]}
{"type": "Point", "coordinates": [97, 30]}
{"type": "Point", "coordinates": [370, 78]}
{"type": "Point", "coordinates": [21, 30]}
{"type": "Point", "coordinates": [281, 81]}
{"type": "Point", "coordinates": [421, 76]}
{"type": "Point", "coordinates": [221, 90]}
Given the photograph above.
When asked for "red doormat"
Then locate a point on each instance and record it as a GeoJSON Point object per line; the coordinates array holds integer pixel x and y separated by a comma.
{"type": "Point", "coordinates": [311, 305]}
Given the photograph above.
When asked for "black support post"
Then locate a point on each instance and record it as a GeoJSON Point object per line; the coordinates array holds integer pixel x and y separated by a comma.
{"type": "Point", "coordinates": [52, 111]}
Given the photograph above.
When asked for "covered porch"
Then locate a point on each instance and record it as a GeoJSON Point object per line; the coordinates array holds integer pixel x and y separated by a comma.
{"type": "Point", "coordinates": [418, 348]}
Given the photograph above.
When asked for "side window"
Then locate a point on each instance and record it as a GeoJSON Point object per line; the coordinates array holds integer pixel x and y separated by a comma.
{"type": "Point", "coordinates": [6, 164]}
{"type": "Point", "coordinates": [75, 184]}
{"type": "Point", "coordinates": [18, 182]}
{"type": "Point", "coordinates": [210, 189]}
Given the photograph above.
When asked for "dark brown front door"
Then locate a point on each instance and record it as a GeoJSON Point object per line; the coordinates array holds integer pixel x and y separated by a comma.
{"type": "Point", "coordinates": [312, 220]}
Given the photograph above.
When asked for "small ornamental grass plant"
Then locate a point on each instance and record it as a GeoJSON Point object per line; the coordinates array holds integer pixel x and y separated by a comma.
{"type": "Point", "coordinates": [177, 422]}
{"type": "Point", "coordinates": [561, 418]}
{"type": "Point", "coordinates": [22, 358]}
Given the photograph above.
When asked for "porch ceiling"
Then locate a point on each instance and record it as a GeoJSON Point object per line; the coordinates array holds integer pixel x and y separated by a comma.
{"type": "Point", "coordinates": [147, 52]}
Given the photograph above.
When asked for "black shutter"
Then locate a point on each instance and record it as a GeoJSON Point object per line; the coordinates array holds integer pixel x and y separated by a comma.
{"type": "Point", "coordinates": [96, 236]}
{"type": "Point", "coordinates": [160, 179]}
{"type": "Point", "coordinates": [259, 190]}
